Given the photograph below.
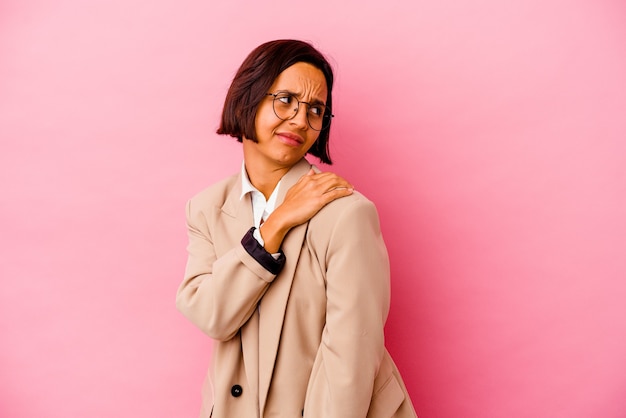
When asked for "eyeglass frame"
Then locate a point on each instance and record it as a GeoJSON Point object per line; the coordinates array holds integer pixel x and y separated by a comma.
{"type": "Point", "coordinates": [327, 110]}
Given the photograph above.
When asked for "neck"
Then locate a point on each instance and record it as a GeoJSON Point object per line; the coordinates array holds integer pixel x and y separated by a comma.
{"type": "Point", "coordinates": [264, 177]}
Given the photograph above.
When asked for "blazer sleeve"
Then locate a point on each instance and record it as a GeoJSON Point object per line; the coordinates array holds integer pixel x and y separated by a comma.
{"type": "Point", "coordinates": [352, 344]}
{"type": "Point", "coordinates": [219, 294]}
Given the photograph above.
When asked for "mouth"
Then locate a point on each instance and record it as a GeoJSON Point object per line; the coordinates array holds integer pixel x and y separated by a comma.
{"type": "Point", "coordinates": [290, 138]}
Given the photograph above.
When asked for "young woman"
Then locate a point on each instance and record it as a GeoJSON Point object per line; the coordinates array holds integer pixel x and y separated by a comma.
{"type": "Point", "coordinates": [287, 268]}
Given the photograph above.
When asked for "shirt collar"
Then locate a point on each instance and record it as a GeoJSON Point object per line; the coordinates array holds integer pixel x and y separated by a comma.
{"type": "Point", "coordinates": [246, 186]}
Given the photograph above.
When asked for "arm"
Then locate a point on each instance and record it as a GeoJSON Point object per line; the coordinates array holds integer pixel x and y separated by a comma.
{"type": "Point", "coordinates": [220, 294]}
{"type": "Point", "coordinates": [352, 344]}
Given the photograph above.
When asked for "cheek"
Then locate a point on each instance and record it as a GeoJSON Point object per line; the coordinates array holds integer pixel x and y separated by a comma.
{"type": "Point", "coordinates": [312, 138]}
{"type": "Point", "coordinates": [265, 121]}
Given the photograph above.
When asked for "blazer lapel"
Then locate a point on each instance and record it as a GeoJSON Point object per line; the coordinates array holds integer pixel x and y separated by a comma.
{"type": "Point", "coordinates": [237, 219]}
{"type": "Point", "coordinates": [250, 349]}
{"type": "Point", "coordinates": [274, 302]}
{"type": "Point", "coordinates": [237, 213]}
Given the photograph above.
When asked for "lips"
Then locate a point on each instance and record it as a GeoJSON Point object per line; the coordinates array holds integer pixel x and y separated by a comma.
{"type": "Point", "coordinates": [290, 138]}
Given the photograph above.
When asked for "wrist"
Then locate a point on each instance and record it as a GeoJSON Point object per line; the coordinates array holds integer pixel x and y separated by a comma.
{"type": "Point", "coordinates": [273, 232]}
{"type": "Point", "coordinates": [271, 262]}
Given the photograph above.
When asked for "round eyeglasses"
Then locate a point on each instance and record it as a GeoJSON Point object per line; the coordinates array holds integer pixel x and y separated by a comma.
{"type": "Point", "coordinates": [286, 107]}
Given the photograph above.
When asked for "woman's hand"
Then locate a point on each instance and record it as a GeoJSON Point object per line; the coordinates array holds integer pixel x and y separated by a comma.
{"type": "Point", "coordinates": [310, 194]}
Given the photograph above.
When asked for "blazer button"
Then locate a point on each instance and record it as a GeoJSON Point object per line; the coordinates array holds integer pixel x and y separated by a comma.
{"type": "Point", "coordinates": [236, 391]}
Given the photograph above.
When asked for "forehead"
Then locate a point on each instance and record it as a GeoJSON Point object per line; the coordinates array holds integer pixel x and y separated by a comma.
{"type": "Point", "coordinates": [303, 79]}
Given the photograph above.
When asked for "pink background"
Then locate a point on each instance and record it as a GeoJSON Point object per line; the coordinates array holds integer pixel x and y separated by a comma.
{"type": "Point", "coordinates": [490, 134]}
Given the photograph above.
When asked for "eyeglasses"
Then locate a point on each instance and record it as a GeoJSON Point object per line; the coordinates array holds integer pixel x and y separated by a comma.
{"type": "Point", "coordinates": [286, 107]}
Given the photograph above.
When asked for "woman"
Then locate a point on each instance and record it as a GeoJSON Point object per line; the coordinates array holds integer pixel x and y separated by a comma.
{"type": "Point", "coordinates": [287, 268]}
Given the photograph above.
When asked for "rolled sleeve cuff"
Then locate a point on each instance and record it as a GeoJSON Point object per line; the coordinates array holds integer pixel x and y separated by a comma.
{"type": "Point", "coordinates": [269, 262]}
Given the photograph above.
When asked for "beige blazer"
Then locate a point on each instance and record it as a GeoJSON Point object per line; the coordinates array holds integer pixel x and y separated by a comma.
{"type": "Point", "coordinates": [308, 341]}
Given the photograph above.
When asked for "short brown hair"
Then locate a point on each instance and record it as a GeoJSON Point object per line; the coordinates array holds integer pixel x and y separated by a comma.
{"type": "Point", "coordinates": [253, 80]}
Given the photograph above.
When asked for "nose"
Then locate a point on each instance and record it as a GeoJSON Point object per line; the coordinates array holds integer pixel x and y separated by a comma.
{"type": "Point", "coordinates": [300, 118]}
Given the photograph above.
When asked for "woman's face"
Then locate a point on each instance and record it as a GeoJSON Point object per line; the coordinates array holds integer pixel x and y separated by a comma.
{"type": "Point", "coordinates": [282, 143]}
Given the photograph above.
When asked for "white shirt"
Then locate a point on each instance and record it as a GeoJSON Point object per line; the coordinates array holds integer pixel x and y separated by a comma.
{"type": "Point", "coordinates": [261, 208]}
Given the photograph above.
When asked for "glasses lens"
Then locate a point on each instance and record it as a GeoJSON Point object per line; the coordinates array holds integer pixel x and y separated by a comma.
{"type": "Point", "coordinates": [286, 107]}
{"type": "Point", "coordinates": [319, 116]}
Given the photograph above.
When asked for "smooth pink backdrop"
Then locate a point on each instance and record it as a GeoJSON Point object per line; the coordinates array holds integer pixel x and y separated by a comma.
{"type": "Point", "coordinates": [491, 136]}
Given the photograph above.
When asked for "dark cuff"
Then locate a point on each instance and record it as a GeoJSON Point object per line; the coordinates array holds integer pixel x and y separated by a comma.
{"type": "Point", "coordinates": [252, 247]}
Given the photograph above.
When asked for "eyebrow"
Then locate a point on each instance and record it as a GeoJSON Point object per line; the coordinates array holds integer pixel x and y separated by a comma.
{"type": "Point", "coordinates": [313, 102]}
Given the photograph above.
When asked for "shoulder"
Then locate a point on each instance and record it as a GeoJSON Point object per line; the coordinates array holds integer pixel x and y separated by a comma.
{"type": "Point", "coordinates": [216, 194]}
{"type": "Point", "coordinates": [341, 214]}
{"type": "Point", "coordinates": [217, 190]}
{"type": "Point", "coordinates": [345, 224]}
{"type": "Point", "coordinates": [353, 204]}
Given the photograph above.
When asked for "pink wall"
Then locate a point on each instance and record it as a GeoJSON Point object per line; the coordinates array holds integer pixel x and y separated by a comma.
{"type": "Point", "coordinates": [490, 134]}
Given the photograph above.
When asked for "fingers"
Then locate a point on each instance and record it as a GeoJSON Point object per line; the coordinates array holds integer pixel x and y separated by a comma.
{"type": "Point", "coordinates": [336, 193]}
{"type": "Point", "coordinates": [340, 190]}
{"type": "Point", "coordinates": [324, 182]}
{"type": "Point", "coordinates": [328, 187]}
{"type": "Point", "coordinates": [310, 194]}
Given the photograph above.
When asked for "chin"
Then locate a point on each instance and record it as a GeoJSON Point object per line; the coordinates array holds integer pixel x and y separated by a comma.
{"type": "Point", "coordinates": [289, 159]}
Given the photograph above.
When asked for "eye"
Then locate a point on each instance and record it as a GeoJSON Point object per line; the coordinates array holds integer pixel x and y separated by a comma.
{"type": "Point", "coordinates": [285, 99]}
{"type": "Point", "coordinates": [317, 110]}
